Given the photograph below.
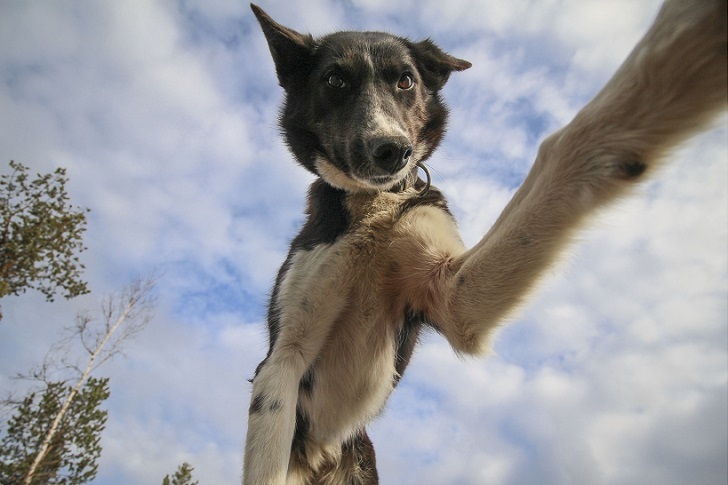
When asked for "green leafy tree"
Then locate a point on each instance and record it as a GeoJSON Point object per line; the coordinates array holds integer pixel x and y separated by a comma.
{"type": "Point", "coordinates": [40, 236]}
{"type": "Point", "coordinates": [75, 446]}
{"type": "Point", "coordinates": [183, 476]}
{"type": "Point", "coordinates": [36, 443]}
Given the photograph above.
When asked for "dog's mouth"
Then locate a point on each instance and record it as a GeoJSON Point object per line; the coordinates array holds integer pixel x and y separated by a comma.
{"type": "Point", "coordinates": [356, 182]}
{"type": "Point", "coordinates": [377, 165]}
{"type": "Point", "coordinates": [345, 177]}
{"type": "Point", "coordinates": [381, 182]}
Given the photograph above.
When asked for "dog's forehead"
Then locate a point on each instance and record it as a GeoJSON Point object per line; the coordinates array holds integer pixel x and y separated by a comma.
{"type": "Point", "coordinates": [363, 48]}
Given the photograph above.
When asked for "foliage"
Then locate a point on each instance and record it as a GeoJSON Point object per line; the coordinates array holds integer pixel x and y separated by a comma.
{"type": "Point", "coordinates": [57, 439]}
{"type": "Point", "coordinates": [75, 447]}
{"type": "Point", "coordinates": [40, 236]}
{"type": "Point", "coordinates": [123, 316]}
{"type": "Point", "coordinates": [183, 476]}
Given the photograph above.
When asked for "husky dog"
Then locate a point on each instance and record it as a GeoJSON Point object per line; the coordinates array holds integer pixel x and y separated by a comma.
{"type": "Point", "coordinates": [379, 257]}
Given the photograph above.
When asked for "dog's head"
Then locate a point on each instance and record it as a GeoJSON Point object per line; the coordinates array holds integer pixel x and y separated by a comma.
{"type": "Point", "coordinates": [361, 108]}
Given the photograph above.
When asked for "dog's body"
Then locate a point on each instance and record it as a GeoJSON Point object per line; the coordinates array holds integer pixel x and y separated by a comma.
{"type": "Point", "coordinates": [379, 256]}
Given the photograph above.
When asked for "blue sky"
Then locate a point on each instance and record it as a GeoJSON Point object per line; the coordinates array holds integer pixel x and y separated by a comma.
{"type": "Point", "coordinates": [164, 114]}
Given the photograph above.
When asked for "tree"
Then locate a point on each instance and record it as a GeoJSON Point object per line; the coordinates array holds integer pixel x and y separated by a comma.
{"type": "Point", "coordinates": [122, 316]}
{"type": "Point", "coordinates": [183, 476]}
{"type": "Point", "coordinates": [40, 236]}
{"type": "Point", "coordinates": [75, 447]}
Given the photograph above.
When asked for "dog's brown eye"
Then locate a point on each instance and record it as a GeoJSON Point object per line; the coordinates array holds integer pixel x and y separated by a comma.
{"type": "Point", "coordinates": [406, 82]}
{"type": "Point", "coordinates": [335, 81]}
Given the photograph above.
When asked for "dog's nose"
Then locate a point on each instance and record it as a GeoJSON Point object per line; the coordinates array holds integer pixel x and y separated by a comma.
{"type": "Point", "coordinates": [390, 153]}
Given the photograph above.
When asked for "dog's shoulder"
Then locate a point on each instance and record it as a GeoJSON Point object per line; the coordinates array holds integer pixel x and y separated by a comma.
{"type": "Point", "coordinates": [327, 217]}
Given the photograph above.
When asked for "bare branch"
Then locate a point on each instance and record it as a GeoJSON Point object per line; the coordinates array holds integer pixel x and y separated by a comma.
{"type": "Point", "coordinates": [123, 317]}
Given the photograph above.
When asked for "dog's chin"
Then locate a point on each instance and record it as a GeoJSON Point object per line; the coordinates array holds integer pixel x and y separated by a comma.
{"type": "Point", "coordinates": [336, 177]}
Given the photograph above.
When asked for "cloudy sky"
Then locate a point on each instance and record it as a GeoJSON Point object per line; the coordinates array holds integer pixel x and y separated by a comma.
{"type": "Point", "coordinates": [164, 114]}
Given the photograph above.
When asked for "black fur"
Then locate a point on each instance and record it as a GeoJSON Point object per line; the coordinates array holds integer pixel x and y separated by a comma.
{"type": "Point", "coordinates": [327, 217]}
{"type": "Point", "coordinates": [406, 342]}
{"type": "Point", "coordinates": [256, 404]}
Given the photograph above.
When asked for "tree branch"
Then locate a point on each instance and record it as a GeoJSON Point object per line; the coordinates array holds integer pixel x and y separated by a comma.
{"type": "Point", "coordinates": [132, 311]}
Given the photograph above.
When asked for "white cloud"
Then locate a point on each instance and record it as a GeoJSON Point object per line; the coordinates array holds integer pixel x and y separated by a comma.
{"type": "Point", "coordinates": [615, 372]}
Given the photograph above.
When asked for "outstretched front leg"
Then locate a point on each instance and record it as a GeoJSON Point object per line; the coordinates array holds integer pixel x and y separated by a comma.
{"type": "Point", "coordinates": [308, 298]}
{"type": "Point", "coordinates": [672, 85]}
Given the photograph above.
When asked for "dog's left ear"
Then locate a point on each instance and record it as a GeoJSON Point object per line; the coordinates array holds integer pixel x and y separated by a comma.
{"type": "Point", "coordinates": [434, 64]}
{"type": "Point", "coordinates": [291, 50]}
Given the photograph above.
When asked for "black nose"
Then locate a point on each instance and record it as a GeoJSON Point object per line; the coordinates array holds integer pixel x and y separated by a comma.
{"type": "Point", "coordinates": [390, 153]}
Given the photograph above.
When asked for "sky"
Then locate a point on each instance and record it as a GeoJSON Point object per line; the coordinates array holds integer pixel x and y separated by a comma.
{"type": "Point", "coordinates": [164, 115]}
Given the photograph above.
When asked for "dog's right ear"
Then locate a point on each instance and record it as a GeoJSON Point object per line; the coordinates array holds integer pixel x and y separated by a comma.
{"type": "Point", "coordinates": [291, 51]}
{"type": "Point", "coordinates": [434, 64]}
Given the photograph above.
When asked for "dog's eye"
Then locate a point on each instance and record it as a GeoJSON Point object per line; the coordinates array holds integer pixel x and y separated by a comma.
{"type": "Point", "coordinates": [335, 81]}
{"type": "Point", "coordinates": [406, 82]}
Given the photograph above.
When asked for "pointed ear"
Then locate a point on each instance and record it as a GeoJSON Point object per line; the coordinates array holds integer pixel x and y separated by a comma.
{"type": "Point", "coordinates": [291, 51]}
{"type": "Point", "coordinates": [434, 64]}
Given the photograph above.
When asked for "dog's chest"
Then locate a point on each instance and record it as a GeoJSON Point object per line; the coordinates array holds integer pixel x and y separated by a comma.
{"type": "Point", "coordinates": [372, 332]}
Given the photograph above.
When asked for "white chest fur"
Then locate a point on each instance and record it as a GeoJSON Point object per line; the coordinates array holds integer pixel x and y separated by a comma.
{"type": "Point", "coordinates": [342, 305]}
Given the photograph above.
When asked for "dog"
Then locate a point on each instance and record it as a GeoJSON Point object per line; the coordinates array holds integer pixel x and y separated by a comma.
{"type": "Point", "coordinates": [379, 257]}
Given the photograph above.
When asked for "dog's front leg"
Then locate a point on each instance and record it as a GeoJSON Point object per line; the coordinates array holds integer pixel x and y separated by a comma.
{"type": "Point", "coordinates": [272, 420]}
{"type": "Point", "coordinates": [672, 85]}
{"type": "Point", "coordinates": [311, 295]}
